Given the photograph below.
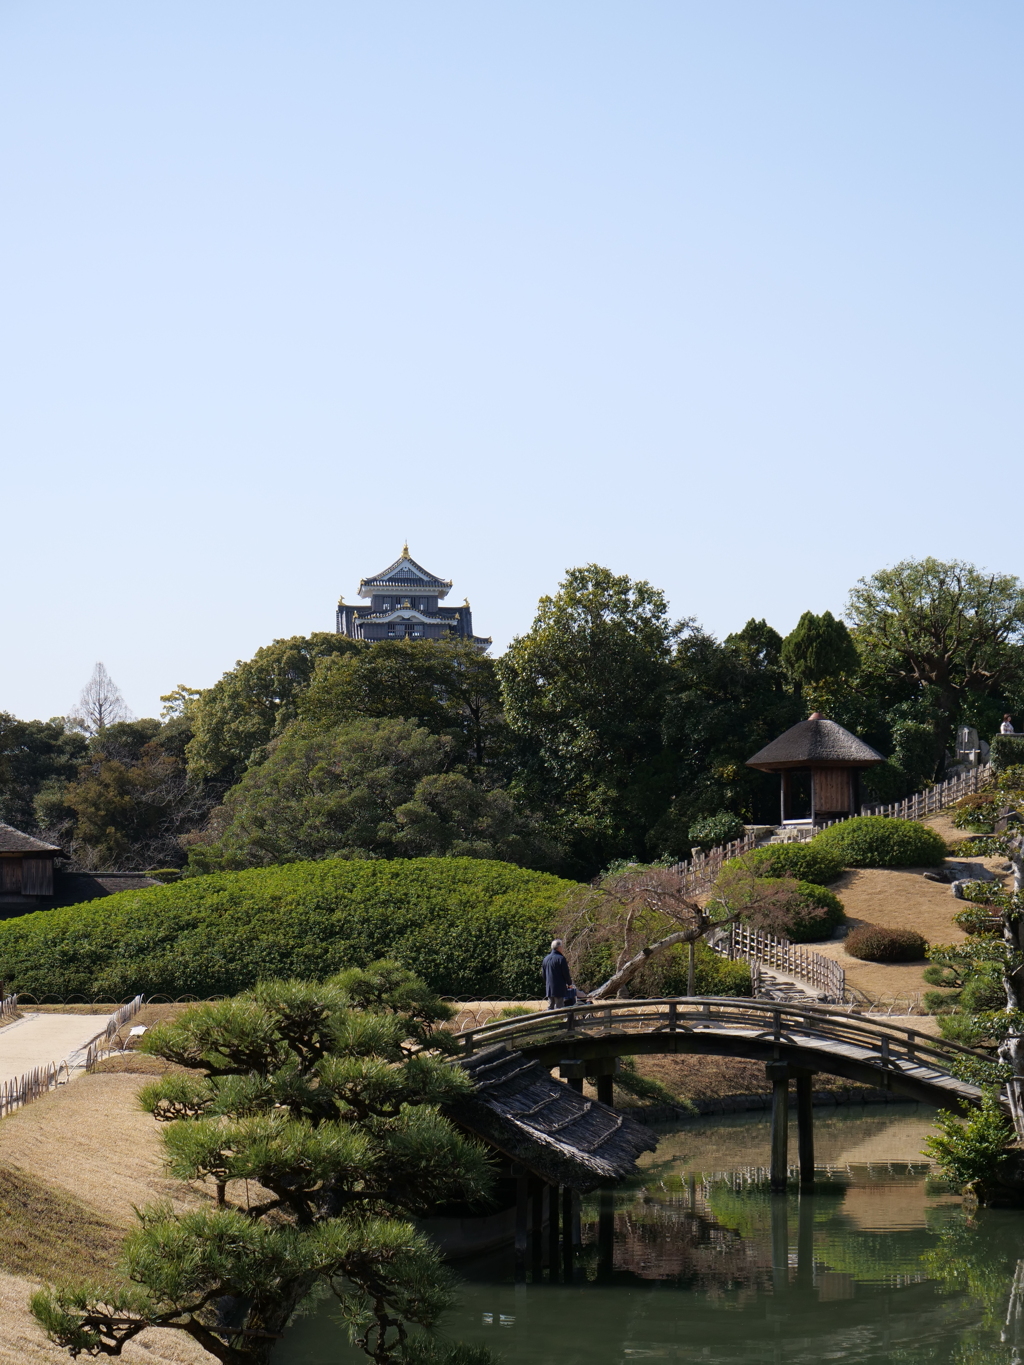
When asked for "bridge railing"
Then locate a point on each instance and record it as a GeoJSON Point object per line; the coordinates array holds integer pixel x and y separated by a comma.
{"type": "Point", "coordinates": [895, 1046]}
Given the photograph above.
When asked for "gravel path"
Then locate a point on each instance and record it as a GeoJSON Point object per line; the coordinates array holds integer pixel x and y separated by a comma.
{"type": "Point", "coordinates": [37, 1039]}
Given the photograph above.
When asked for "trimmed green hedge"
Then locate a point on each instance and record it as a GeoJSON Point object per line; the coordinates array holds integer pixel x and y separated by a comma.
{"type": "Point", "coordinates": [805, 862]}
{"type": "Point", "coordinates": [1006, 751]}
{"type": "Point", "coordinates": [821, 911]}
{"type": "Point", "coordinates": [880, 841]}
{"type": "Point", "coordinates": [470, 927]}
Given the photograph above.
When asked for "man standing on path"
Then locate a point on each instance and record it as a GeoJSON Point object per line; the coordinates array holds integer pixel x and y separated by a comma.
{"type": "Point", "coordinates": [557, 976]}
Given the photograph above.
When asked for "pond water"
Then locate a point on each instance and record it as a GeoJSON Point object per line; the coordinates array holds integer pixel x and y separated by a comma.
{"type": "Point", "coordinates": [880, 1264]}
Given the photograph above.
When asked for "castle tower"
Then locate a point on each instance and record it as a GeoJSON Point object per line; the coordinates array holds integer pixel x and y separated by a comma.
{"type": "Point", "coordinates": [404, 603]}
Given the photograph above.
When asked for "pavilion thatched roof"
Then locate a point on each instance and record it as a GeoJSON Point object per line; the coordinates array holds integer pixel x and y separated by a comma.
{"type": "Point", "coordinates": [545, 1125]}
{"type": "Point", "coordinates": [815, 742]}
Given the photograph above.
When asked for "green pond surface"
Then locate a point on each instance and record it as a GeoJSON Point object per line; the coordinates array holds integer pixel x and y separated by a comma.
{"type": "Point", "coordinates": [879, 1264]}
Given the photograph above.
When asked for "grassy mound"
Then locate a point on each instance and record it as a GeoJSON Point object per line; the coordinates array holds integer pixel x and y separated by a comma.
{"type": "Point", "coordinates": [879, 841]}
{"type": "Point", "coordinates": [470, 927]}
{"type": "Point", "coordinates": [808, 862]}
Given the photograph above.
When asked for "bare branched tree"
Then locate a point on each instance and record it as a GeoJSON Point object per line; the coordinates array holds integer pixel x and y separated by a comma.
{"type": "Point", "coordinates": [100, 704]}
{"type": "Point", "coordinates": [642, 912]}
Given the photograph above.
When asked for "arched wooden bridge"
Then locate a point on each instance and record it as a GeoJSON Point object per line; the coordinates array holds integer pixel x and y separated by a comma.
{"type": "Point", "coordinates": [812, 1038]}
{"type": "Point", "coordinates": [794, 1041]}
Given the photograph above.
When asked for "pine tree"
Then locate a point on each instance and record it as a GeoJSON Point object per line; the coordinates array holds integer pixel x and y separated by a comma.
{"type": "Point", "coordinates": [312, 1116]}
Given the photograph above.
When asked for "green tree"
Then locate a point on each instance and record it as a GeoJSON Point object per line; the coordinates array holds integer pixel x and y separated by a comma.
{"type": "Point", "coordinates": [34, 754]}
{"type": "Point", "coordinates": [130, 803]}
{"type": "Point", "coordinates": [945, 628]}
{"type": "Point", "coordinates": [819, 647]}
{"type": "Point", "coordinates": [235, 719]}
{"type": "Point", "coordinates": [584, 691]}
{"type": "Point", "coordinates": [368, 789]}
{"type": "Point", "coordinates": [316, 1095]}
{"type": "Point", "coordinates": [726, 700]}
{"type": "Point", "coordinates": [447, 687]}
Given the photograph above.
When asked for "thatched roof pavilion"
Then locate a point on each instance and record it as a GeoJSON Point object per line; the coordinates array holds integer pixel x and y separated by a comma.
{"type": "Point", "coordinates": [820, 764]}
{"type": "Point", "coordinates": [543, 1124]}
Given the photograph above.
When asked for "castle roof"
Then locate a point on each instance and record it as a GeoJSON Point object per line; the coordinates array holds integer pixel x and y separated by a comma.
{"type": "Point", "coordinates": [405, 575]}
{"type": "Point", "coordinates": [816, 741]}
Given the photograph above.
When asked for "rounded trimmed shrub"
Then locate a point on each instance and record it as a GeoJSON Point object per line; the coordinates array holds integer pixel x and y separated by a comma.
{"type": "Point", "coordinates": [469, 927]}
{"type": "Point", "coordinates": [880, 841]}
{"type": "Point", "coordinates": [803, 862]}
{"type": "Point", "coordinates": [821, 912]}
{"type": "Point", "coordinates": [873, 943]}
{"type": "Point", "coordinates": [715, 830]}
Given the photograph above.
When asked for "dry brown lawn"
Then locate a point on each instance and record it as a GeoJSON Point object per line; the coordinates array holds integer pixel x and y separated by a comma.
{"type": "Point", "coordinates": [74, 1163]}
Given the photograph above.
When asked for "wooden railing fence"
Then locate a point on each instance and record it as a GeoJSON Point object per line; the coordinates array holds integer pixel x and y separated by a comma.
{"type": "Point", "coordinates": [934, 798]}
{"type": "Point", "coordinates": [8, 1007]}
{"type": "Point", "coordinates": [15, 1093]}
{"type": "Point", "coordinates": [778, 954]}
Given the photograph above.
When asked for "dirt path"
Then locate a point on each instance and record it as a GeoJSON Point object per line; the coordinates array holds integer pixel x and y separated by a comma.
{"type": "Point", "coordinates": [38, 1039]}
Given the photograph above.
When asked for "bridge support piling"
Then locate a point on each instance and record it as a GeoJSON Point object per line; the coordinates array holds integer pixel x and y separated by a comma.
{"type": "Point", "coordinates": [805, 1127]}
{"type": "Point", "coordinates": [522, 1195]}
{"type": "Point", "coordinates": [606, 1234]}
{"type": "Point", "coordinates": [553, 1245]}
{"type": "Point", "coordinates": [778, 1074]}
{"type": "Point", "coordinates": [568, 1222]}
{"type": "Point", "coordinates": [536, 1230]}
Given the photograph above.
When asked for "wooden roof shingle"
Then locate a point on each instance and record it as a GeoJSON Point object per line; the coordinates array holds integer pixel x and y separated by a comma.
{"type": "Point", "coordinates": [521, 1109]}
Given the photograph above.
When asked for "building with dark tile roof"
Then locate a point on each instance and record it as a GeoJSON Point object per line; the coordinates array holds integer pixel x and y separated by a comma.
{"type": "Point", "coordinates": [29, 881]}
{"type": "Point", "coordinates": [404, 604]}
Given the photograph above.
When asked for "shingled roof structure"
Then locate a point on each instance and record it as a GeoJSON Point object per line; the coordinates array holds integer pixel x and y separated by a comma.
{"type": "Point", "coordinates": [13, 841]}
{"type": "Point", "coordinates": [405, 605]}
{"type": "Point", "coordinates": [545, 1125]}
{"type": "Point", "coordinates": [814, 741]}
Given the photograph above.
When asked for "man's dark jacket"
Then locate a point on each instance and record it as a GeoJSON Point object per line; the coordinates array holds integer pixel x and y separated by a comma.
{"type": "Point", "coordinates": [557, 976]}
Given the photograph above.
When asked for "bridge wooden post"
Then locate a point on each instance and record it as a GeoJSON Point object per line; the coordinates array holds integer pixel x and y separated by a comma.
{"type": "Point", "coordinates": [805, 1126]}
{"type": "Point", "coordinates": [572, 1071]}
{"type": "Point", "coordinates": [522, 1192]}
{"type": "Point", "coordinates": [778, 1074]}
{"type": "Point", "coordinates": [536, 1229]}
{"type": "Point", "coordinates": [553, 1257]}
{"type": "Point", "coordinates": [606, 1234]}
{"type": "Point", "coordinates": [568, 1230]}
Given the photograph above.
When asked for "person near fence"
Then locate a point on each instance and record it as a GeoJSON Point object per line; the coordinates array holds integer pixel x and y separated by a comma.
{"type": "Point", "coordinates": [557, 976]}
{"type": "Point", "coordinates": [1007, 726]}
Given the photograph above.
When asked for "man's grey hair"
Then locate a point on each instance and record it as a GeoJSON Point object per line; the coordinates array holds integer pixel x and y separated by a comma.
{"type": "Point", "coordinates": [556, 943]}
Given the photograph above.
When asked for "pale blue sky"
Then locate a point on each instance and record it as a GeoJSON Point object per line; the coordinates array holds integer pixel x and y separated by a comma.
{"type": "Point", "coordinates": [722, 295]}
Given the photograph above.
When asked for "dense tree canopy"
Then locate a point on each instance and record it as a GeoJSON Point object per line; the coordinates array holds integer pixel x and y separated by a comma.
{"type": "Point", "coordinates": [234, 719]}
{"type": "Point", "coordinates": [367, 789]}
{"type": "Point", "coordinates": [949, 628]}
{"type": "Point", "coordinates": [34, 754]}
{"type": "Point", "coordinates": [585, 690]}
{"type": "Point", "coordinates": [608, 731]}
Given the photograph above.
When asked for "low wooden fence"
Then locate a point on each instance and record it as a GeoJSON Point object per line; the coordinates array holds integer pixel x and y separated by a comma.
{"type": "Point", "coordinates": [15, 1093]}
{"type": "Point", "coordinates": [935, 798]}
{"type": "Point", "coordinates": [778, 954]}
{"type": "Point", "coordinates": [8, 1007]}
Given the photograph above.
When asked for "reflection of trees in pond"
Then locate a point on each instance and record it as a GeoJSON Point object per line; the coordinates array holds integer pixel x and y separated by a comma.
{"type": "Point", "coordinates": [718, 1236]}
{"type": "Point", "coordinates": [979, 1256]}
